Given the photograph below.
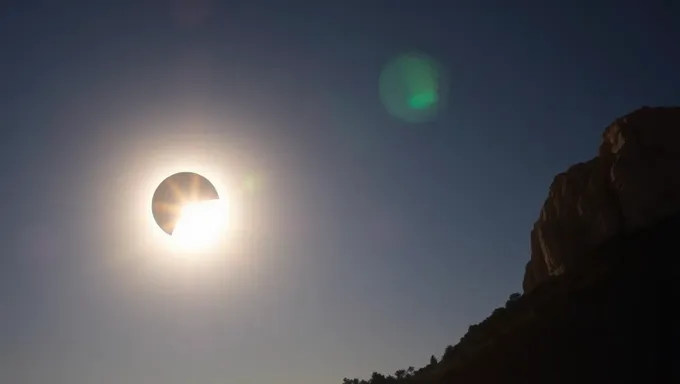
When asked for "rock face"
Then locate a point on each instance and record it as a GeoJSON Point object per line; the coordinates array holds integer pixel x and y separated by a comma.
{"type": "Point", "coordinates": [632, 183]}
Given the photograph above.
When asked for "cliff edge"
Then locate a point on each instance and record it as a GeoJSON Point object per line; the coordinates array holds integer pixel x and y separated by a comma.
{"type": "Point", "coordinates": [601, 285]}
{"type": "Point", "coordinates": [632, 183]}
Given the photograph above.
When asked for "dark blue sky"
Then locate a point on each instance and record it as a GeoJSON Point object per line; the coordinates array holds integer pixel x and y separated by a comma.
{"type": "Point", "coordinates": [372, 243]}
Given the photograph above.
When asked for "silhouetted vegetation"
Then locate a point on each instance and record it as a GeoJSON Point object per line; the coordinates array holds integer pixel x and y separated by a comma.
{"type": "Point", "coordinates": [590, 324]}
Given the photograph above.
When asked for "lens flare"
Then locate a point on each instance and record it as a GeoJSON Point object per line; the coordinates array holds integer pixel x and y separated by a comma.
{"type": "Point", "coordinates": [413, 88]}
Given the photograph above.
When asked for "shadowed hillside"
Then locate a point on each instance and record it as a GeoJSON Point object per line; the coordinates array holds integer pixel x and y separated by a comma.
{"type": "Point", "coordinates": [604, 317]}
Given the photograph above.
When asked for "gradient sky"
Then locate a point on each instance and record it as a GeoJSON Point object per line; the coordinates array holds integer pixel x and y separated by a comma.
{"type": "Point", "coordinates": [371, 243]}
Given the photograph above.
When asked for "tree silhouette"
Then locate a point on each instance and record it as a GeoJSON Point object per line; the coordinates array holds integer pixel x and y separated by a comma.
{"type": "Point", "coordinates": [378, 378]}
{"type": "Point", "coordinates": [512, 299]}
{"type": "Point", "coordinates": [433, 360]}
{"type": "Point", "coordinates": [448, 353]}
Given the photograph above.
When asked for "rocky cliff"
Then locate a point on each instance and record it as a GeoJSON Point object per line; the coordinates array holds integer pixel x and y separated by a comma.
{"type": "Point", "coordinates": [633, 182]}
{"type": "Point", "coordinates": [601, 285]}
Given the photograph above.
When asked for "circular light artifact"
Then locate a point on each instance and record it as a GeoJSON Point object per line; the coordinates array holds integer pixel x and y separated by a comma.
{"type": "Point", "coordinates": [413, 88]}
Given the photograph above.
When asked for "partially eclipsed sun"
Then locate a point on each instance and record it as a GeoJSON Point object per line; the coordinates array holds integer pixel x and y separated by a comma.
{"type": "Point", "coordinates": [187, 207]}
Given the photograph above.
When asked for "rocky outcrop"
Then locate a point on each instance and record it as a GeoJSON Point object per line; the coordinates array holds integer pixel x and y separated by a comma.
{"type": "Point", "coordinates": [632, 183]}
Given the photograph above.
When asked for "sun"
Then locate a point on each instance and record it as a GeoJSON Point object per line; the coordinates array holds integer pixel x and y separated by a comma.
{"type": "Point", "coordinates": [188, 208]}
{"type": "Point", "coordinates": [200, 225]}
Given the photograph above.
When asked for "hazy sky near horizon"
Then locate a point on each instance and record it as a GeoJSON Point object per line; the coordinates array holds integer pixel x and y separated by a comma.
{"type": "Point", "coordinates": [369, 243]}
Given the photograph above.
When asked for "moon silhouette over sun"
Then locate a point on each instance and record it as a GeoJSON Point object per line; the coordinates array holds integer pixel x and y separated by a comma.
{"type": "Point", "coordinates": [176, 193]}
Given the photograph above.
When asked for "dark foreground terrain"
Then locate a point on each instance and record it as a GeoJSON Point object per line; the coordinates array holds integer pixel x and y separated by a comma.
{"type": "Point", "coordinates": [601, 286]}
{"type": "Point", "coordinates": [609, 320]}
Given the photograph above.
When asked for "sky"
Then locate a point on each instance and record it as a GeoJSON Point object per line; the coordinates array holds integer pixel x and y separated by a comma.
{"type": "Point", "coordinates": [365, 243]}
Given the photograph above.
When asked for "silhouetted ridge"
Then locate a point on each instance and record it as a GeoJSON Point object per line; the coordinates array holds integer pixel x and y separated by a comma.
{"type": "Point", "coordinates": [598, 319]}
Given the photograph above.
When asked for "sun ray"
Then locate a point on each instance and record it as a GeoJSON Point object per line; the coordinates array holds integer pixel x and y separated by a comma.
{"type": "Point", "coordinates": [176, 191]}
{"type": "Point", "coordinates": [164, 207]}
{"type": "Point", "coordinates": [195, 187]}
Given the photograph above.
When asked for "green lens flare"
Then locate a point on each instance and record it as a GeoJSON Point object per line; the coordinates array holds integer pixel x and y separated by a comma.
{"type": "Point", "coordinates": [423, 100]}
{"type": "Point", "coordinates": [412, 88]}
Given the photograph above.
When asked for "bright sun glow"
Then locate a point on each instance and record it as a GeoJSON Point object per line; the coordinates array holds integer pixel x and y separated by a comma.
{"type": "Point", "coordinates": [201, 225]}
